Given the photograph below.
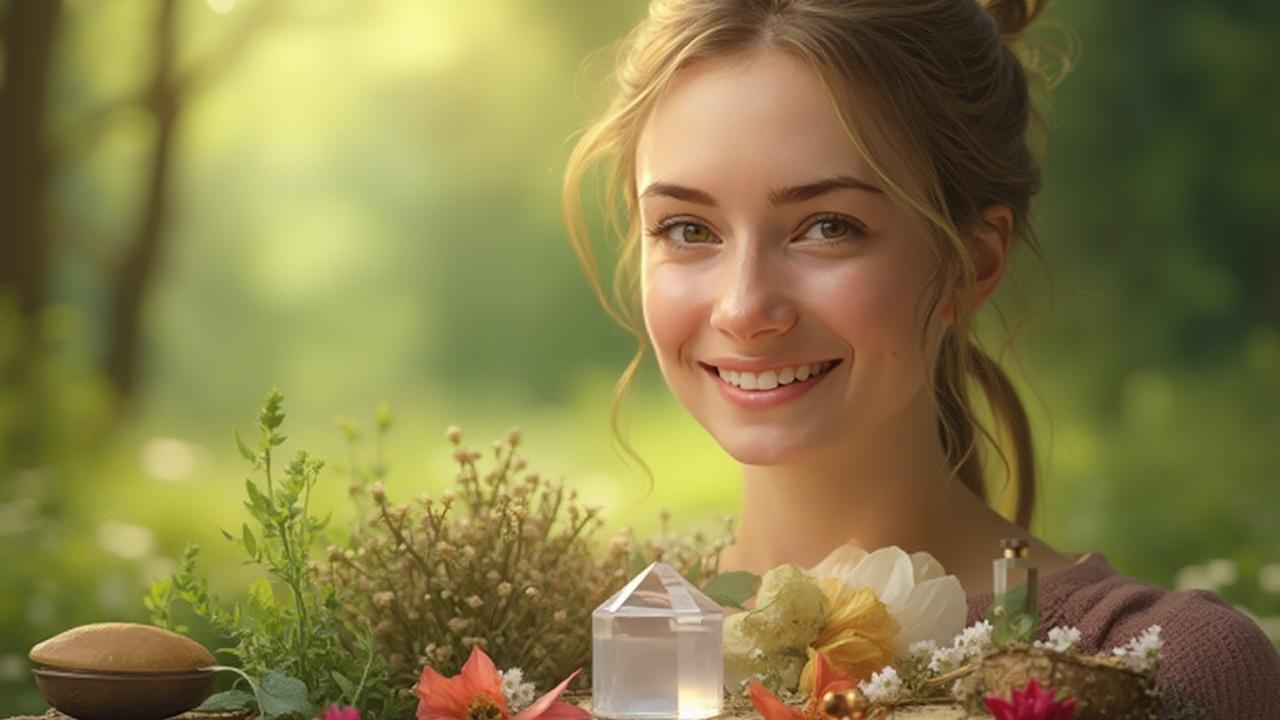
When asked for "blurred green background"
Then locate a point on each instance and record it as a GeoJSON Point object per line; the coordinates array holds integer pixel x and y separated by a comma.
{"type": "Point", "coordinates": [359, 201]}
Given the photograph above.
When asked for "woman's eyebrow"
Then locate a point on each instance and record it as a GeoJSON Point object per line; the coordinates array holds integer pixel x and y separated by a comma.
{"type": "Point", "coordinates": [777, 196]}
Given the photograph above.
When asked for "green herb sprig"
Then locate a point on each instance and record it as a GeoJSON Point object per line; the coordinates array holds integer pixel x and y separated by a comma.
{"type": "Point", "coordinates": [293, 651]}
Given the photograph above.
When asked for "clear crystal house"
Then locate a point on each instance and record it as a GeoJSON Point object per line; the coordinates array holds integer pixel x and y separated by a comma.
{"type": "Point", "coordinates": [657, 650]}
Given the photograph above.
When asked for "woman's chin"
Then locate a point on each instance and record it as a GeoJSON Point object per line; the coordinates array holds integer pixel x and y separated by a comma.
{"type": "Point", "coordinates": [763, 446]}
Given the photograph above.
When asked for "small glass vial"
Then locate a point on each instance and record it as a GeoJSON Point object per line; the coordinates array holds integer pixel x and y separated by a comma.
{"type": "Point", "coordinates": [1013, 569]}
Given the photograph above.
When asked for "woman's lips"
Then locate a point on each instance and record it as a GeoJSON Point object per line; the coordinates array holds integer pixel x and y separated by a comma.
{"type": "Point", "coordinates": [764, 399]}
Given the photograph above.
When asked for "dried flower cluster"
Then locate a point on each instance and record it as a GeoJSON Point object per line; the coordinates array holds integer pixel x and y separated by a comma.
{"type": "Point", "coordinates": [504, 560]}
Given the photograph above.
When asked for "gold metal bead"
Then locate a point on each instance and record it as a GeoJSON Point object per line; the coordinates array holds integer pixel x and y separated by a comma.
{"type": "Point", "coordinates": [849, 704]}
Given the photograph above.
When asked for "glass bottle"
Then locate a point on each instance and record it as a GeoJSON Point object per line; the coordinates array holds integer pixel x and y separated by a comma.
{"type": "Point", "coordinates": [1012, 570]}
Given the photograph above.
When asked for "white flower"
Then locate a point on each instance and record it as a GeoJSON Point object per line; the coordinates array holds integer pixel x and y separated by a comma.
{"type": "Point", "coordinates": [884, 686]}
{"type": "Point", "coordinates": [1143, 652]}
{"type": "Point", "coordinates": [926, 603]}
{"type": "Point", "coordinates": [976, 637]}
{"type": "Point", "coordinates": [944, 660]}
{"type": "Point", "coordinates": [1061, 639]}
{"type": "Point", "coordinates": [519, 694]}
{"type": "Point", "coordinates": [922, 648]}
{"type": "Point", "coordinates": [967, 645]}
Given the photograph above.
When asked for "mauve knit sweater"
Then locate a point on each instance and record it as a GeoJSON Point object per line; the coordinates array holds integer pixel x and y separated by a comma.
{"type": "Point", "coordinates": [1214, 656]}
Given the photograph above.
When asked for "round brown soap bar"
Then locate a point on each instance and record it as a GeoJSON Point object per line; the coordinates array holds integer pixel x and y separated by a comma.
{"type": "Point", "coordinates": [121, 647]}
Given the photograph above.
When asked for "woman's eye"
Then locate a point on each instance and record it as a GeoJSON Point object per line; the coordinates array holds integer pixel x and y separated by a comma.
{"type": "Point", "coordinates": [681, 232]}
{"type": "Point", "coordinates": [834, 229]}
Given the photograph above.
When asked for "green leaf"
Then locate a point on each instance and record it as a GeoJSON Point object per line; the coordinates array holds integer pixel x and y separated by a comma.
{"type": "Point", "coordinates": [261, 594]}
{"type": "Point", "coordinates": [282, 695]}
{"type": "Point", "coordinates": [250, 543]}
{"type": "Point", "coordinates": [227, 700]}
{"type": "Point", "coordinates": [245, 451]}
{"type": "Point", "coordinates": [732, 589]}
{"type": "Point", "coordinates": [694, 576]}
{"type": "Point", "coordinates": [259, 502]}
{"type": "Point", "coordinates": [346, 686]}
{"type": "Point", "coordinates": [1014, 601]}
{"type": "Point", "coordinates": [271, 417]}
{"type": "Point", "coordinates": [226, 534]}
{"type": "Point", "coordinates": [1024, 628]}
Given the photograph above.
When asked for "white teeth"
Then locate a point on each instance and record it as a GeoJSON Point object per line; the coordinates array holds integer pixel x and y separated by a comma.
{"type": "Point", "coordinates": [770, 379]}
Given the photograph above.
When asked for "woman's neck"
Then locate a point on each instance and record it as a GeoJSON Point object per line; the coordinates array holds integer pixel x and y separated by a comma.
{"type": "Point", "coordinates": [874, 491]}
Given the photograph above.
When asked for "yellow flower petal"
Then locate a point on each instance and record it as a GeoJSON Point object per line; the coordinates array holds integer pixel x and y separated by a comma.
{"type": "Point", "coordinates": [858, 634]}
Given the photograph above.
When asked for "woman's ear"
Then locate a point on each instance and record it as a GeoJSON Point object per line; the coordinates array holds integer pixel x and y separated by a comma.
{"type": "Point", "coordinates": [990, 245]}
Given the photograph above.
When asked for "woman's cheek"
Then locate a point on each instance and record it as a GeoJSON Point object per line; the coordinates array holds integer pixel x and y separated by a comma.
{"type": "Point", "coordinates": [673, 308]}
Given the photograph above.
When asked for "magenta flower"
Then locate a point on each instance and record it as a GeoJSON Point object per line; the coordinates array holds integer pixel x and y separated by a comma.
{"type": "Point", "coordinates": [1031, 703]}
{"type": "Point", "coordinates": [338, 713]}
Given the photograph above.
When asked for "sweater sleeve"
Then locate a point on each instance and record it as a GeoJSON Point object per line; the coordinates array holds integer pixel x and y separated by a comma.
{"type": "Point", "coordinates": [1216, 657]}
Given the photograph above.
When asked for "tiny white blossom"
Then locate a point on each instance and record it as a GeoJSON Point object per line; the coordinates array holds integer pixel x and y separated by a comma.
{"type": "Point", "coordinates": [884, 686]}
{"type": "Point", "coordinates": [922, 648]}
{"type": "Point", "coordinates": [970, 643]}
{"type": "Point", "coordinates": [757, 654]}
{"type": "Point", "coordinates": [1061, 639]}
{"type": "Point", "coordinates": [944, 660]}
{"type": "Point", "coordinates": [1143, 652]}
{"type": "Point", "coordinates": [976, 637]}
{"type": "Point", "coordinates": [519, 694]}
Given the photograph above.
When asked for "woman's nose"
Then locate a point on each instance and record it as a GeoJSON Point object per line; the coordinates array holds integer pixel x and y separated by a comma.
{"type": "Point", "coordinates": [752, 300]}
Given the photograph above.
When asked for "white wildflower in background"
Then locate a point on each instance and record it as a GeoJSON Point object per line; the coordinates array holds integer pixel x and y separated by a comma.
{"type": "Point", "coordinates": [969, 644]}
{"type": "Point", "coordinates": [1061, 639]}
{"type": "Point", "coordinates": [1143, 652]}
{"type": "Point", "coordinates": [519, 694]}
{"type": "Point", "coordinates": [1269, 578]}
{"type": "Point", "coordinates": [1212, 575]}
{"type": "Point", "coordinates": [884, 686]}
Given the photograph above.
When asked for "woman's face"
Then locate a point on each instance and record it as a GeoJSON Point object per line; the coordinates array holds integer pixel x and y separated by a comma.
{"type": "Point", "coordinates": [784, 293]}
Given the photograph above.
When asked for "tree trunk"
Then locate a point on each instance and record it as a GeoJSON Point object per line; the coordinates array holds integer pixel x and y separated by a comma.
{"type": "Point", "coordinates": [28, 30]}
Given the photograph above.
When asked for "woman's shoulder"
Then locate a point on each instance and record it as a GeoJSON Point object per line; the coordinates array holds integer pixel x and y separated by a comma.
{"type": "Point", "coordinates": [1213, 655]}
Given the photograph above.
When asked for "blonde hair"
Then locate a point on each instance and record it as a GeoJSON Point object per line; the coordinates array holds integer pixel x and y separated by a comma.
{"type": "Point", "coordinates": [940, 88]}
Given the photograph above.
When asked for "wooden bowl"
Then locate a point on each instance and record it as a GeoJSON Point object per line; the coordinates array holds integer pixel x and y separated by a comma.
{"type": "Point", "coordinates": [95, 695]}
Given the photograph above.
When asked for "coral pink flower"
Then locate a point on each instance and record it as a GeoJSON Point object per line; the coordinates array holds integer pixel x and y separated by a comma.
{"type": "Point", "coordinates": [1031, 703]}
{"type": "Point", "coordinates": [339, 713]}
{"type": "Point", "coordinates": [476, 694]}
{"type": "Point", "coordinates": [826, 679]}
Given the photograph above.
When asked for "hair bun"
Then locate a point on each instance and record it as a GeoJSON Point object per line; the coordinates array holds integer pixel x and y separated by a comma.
{"type": "Point", "coordinates": [1013, 16]}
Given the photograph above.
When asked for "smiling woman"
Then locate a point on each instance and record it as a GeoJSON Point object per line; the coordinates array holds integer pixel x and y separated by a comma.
{"type": "Point", "coordinates": [817, 199]}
